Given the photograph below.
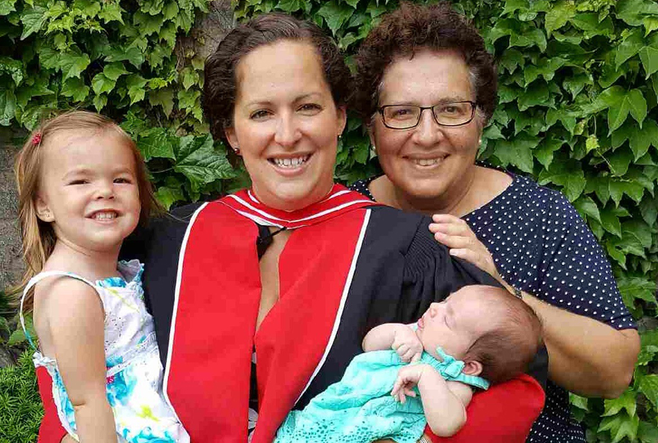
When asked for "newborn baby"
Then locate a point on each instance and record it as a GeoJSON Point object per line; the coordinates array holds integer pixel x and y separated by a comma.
{"type": "Point", "coordinates": [423, 373]}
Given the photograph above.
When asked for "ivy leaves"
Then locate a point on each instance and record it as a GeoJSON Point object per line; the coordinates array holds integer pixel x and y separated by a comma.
{"type": "Point", "coordinates": [115, 57]}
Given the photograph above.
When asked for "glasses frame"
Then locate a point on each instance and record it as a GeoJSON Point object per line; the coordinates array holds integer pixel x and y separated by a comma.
{"type": "Point", "coordinates": [381, 109]}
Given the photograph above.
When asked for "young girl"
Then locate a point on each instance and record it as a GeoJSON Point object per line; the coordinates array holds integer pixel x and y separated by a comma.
{"type": "Point", "coordinates": [82, 189]}
{"type": "Point", "coordinates": [478, 335]}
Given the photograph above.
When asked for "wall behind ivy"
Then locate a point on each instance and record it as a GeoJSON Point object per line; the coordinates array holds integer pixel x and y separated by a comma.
{"type": "Point", "coordinates": [577, 111]}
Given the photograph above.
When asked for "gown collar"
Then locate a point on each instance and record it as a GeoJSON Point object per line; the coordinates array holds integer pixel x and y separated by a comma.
{"type": "Point", "coordinates": [338, 201]}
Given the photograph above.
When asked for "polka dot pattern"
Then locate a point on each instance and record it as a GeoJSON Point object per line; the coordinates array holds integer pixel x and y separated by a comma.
{"type": "Point", "coordinates": [541, 245]}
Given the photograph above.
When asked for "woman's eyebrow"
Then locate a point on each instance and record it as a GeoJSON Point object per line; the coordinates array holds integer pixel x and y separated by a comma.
{"type": "Point", "coordinates": [440, 101]}
{"type": "Point", "coordinates": [309, 95]}
{"type": "Point", "coordinates": [258, 103]}
{"type": "Point", "coordinates": [271, 102]}
{"type": "Point", "coordinates": [452, 99]}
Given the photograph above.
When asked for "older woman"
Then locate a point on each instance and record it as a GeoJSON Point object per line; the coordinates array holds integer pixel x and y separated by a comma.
{"type": "Point", "coordinates": [262, 298]}
{"type": "Point", "coordinates": [426, 88]}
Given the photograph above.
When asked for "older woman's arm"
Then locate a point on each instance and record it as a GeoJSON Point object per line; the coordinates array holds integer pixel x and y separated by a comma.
{"type": "Point", "coordinates": [586, 356]}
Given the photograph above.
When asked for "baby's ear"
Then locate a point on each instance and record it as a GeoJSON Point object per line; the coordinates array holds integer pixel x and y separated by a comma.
{"type": "Point", "coordinates": [472, 367]}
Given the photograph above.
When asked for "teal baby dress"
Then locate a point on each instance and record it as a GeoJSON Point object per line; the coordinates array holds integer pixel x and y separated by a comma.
{"type": "Point", "coordinates": [360, 408]}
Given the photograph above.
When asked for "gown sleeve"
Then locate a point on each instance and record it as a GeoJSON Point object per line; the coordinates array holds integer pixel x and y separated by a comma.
{"type": "Point", "coordinates": [505, 412]}
{"type": "Point", "coordinates": [432, 274]}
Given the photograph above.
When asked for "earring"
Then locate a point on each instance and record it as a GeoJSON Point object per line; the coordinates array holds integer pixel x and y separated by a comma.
{"type": "Point", "coordinates": [236, 150]}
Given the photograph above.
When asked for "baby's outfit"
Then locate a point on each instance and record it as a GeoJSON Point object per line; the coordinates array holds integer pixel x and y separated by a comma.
{"type": "Point", "coordinates": [134, 372]}
{"type": "Point", "coordinates": [360, 408]}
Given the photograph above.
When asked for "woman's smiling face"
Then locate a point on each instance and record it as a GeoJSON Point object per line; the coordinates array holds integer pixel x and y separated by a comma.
{"type": "Point", "coordinates": [428, 161]}
{"type": "Point", "coordinates": [286, 124]}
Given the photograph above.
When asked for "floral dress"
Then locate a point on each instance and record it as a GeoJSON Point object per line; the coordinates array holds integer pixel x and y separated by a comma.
{"type": "Point", "coordinates": [134, 371]}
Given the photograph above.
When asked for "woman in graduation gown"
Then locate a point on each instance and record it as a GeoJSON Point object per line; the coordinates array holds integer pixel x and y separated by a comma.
{"type": "Point", "coordinates": [263, 297]}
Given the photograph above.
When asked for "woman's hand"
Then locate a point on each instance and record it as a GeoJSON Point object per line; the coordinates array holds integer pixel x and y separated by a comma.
{"type": "Point", "coordinates": [407, 344]}
{"type": "Point", "coordinates": [455, 233]}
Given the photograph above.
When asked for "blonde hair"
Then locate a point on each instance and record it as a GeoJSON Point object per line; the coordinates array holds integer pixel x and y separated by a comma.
{"type": "Point", "coordinates": [38, 237]}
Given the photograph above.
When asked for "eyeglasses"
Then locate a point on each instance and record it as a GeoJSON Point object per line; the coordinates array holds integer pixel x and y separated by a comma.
{"type": "Point", "coordinates": [445, 114]}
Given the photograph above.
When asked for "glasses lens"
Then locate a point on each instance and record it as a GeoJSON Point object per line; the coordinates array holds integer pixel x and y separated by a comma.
{"type": "Point", "coordinates": [452, 114]}
{"type": "Point", "coordinates": [401, 116]}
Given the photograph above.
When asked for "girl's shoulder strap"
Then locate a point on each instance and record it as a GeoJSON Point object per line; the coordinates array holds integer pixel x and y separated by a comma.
{"type": "Point", "coordinates": [36, 279]}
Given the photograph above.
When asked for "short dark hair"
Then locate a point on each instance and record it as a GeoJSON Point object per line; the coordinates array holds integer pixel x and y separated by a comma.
{"type": "Point", "coordinates": [220, 82]}
{"type": "Point", "coordinates": [412, 28]}
{"type": "Point", "coordinates": [507, 350]}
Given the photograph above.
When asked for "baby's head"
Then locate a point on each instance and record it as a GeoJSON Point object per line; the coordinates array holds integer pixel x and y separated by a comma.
{"type": "Point", "coordinates": [78, 175]}
{"type": "Point", "coordinates": [494, 333]}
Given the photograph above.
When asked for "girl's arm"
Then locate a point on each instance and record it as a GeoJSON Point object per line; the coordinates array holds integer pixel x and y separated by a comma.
{"type": "Point", "coordinates": [75, 319]}
{"type": "Point", "coordinates": [396, 336]}
{"type": "Point", "coordinates": [444, 402]}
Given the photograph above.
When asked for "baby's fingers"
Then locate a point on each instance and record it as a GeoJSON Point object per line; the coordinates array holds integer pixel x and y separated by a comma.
{"type": "Point", "coordinates": [401, 351]}
{"type": "Point", "coordinates": [410, 392]}
{"type": "Point", "coordinates": [397, 386]}
{"type": "Point", "coordinates": [410, 355]}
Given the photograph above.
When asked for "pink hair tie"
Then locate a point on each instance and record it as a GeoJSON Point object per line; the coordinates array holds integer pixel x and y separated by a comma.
{"type": "Point", "coordinates": [36, 139]}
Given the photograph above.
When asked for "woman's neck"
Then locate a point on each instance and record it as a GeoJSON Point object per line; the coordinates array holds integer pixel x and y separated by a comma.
{"type": "Point", "coordinates": [475, 190]}
{"type": "Point", "coordinates": [92, 265]}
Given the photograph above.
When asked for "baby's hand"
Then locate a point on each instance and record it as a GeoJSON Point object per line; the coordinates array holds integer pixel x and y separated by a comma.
{"type": "Point", "coordinates": [407, 344]}
{"type": "Point", "coordinates": [408, 378]}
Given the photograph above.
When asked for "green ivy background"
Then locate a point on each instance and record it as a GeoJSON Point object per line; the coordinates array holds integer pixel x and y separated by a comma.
{"type": "Point", "coordinates": [577, 111]}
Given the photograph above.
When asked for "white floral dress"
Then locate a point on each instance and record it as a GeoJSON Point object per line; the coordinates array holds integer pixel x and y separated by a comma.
{"type": "Point", "coordinates": [134, 372]}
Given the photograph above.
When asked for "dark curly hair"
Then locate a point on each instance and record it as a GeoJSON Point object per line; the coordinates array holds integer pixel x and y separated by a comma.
{"type": "Point", "coordinates": [220, 83]}
{"type": "Point", "coordinates": [412, 28]}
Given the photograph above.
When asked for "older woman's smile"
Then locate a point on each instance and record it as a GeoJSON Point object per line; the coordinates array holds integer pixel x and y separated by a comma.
{"type": "Point", "coordinates": [426, 162]}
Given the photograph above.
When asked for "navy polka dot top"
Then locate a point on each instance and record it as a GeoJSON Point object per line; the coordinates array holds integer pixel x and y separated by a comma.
{"type": "Point", "coordinates": [541, 245]}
